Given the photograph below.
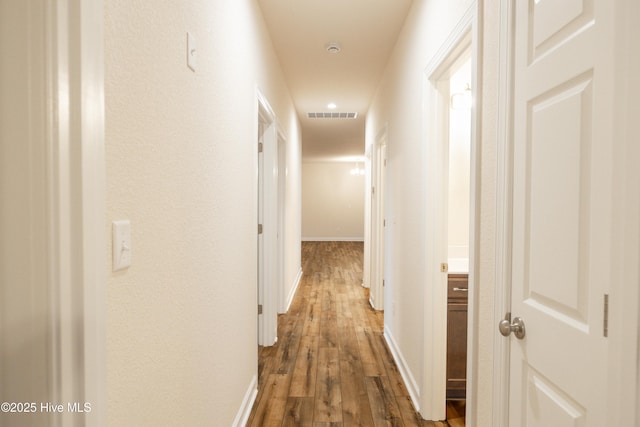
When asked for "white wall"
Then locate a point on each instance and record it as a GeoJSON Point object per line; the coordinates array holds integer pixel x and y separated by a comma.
{"type": "Point", "coordinates": [398, 104]}
{"type": "Point", "coordinates": [181, 162]}
{"type": "Point", "coordinates": [332, 201]}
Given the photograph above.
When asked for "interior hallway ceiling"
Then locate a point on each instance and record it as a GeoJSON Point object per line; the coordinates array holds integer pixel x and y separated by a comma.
{"type": "Point", "coordinates": [365, 32]}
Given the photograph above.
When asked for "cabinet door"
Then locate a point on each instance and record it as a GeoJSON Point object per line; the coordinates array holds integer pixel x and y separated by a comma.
{"type": "Point", "coordinates": [457, 337]}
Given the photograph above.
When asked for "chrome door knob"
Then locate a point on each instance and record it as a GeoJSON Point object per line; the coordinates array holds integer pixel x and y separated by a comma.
{"type": "Point", "coordinates": [516, 326]}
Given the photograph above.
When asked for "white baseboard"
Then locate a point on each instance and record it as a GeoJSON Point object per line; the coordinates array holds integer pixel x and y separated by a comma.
{"type": "Point", "coordinates": [333, 239]}
{"type": "Point", "coordinates": [293, 291]}
{"type": "Point", "coordinates": [405, 372]}
{"type": "Point", "coordinates": [247, 403]}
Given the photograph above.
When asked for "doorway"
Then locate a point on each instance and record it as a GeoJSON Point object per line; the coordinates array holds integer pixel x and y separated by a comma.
{"type": "Point", "coordinates": [458, 225]}
{"type": "Point", "coordinates": [449, 301]}
{"type": "Point", "coordinates": [282, 220]}
{"type": "Point", "coordinates": [268, 211]}
{"type": "Point", "coordinates": [378, 223]}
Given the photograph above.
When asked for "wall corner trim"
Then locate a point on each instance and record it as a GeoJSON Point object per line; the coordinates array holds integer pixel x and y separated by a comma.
{"type": "Point", "coordinates": [294, 289]}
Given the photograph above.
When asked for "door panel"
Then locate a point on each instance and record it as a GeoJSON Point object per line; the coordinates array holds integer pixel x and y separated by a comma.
{"type": "Point", "coordinates": [548, 402]}
{"type": "Point", "coordinates": [553, 22]}
{"type": "Point", "coordinates": [557, 207]}
{"type": "Point", "coordinates": [561, 212]}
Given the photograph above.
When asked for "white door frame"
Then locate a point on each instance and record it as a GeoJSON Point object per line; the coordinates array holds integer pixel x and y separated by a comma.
{"type": "Point", "coordinates": [282, 220]}
{"type": "Point", "coordinates": [368, 183]}
{"type": "Point", "coordinates": [268, 254]}
{"type": "Point", "coordinates": [377, 222]}
{"type": "Point", "coordinates": [624, 318]}
{"type": "Point", "coordinates": [464, 37]}
{"type": "Point", "coordinates": [624, 322]}
{"type": "Point", "coordinates": [65, 136]}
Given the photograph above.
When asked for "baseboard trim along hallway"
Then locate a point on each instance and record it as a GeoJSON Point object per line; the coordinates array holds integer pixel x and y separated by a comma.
{"type": "Point", "coordinates": [294, 289]}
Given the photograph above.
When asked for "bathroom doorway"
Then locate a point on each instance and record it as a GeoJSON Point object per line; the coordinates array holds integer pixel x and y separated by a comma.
{"type": "Point", "coordinates": [451, 215]}
{"type": "Point", "coordinates": [458, 236]}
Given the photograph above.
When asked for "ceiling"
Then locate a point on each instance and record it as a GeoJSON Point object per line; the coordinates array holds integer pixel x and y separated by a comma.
{"type": "Point", "coordinates": [366, 31]}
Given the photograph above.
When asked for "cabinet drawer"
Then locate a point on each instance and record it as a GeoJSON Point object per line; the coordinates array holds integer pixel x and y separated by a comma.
{"type": "Point", "coordinates": [458, 287]}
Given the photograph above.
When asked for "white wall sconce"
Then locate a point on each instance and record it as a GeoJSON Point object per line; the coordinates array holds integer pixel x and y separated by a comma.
{"type": "Point", "coordinates": [462, 100]}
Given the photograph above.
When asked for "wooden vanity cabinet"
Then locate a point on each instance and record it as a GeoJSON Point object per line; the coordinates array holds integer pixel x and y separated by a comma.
{"type": "Point", "coordinates": [458, 285]}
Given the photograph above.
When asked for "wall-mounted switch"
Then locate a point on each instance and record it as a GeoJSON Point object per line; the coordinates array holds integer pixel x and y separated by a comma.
{"type": "Point", "coordinates": [121, 244]}
{"type": "Point", "coordinates": [191, 51]}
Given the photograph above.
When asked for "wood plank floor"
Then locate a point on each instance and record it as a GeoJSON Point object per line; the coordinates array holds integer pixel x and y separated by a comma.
{"type": "Point", "coordinates": [331, 366]}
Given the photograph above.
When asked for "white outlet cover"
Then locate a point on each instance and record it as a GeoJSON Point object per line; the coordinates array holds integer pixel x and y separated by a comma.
{"type": "Point", "coordinates": [121, 244]}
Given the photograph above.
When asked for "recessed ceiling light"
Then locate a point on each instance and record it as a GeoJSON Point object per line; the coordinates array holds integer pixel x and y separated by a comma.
{"type": "Point", "coordinates": [333, 47]}
{"type": "Point", "coordinates": [331, 106]}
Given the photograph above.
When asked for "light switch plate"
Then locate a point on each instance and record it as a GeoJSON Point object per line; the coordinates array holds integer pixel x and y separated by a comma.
{"type": "Point", "coordinates": [121, 244]}
{"type": "Point", "coordinates": [191, 51]}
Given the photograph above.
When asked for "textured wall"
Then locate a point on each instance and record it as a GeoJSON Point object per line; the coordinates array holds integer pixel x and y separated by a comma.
{"type": "Point", "coordinates": [182, 339]}
{"type": "Point", "coordinates": [332, 202]}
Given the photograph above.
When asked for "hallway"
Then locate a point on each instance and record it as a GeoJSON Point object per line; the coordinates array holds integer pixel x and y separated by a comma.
{"type": "Point", "coordinates": [140, 140]}
{"type": "Point", "coordinates": [331, 365]}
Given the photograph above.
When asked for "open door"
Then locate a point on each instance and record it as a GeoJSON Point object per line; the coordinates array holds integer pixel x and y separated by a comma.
{"type": "Point", "coordinates": [378, 222]}
{"type": "Point", "coordinates": [560, 237]}
{"type": "Point", "coordinates": [267, 227]}
{"type": "Point", "coordinates": [282, 220]}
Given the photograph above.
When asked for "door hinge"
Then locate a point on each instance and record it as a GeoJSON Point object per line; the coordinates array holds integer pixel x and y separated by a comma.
{"type": "Point", "coordinates": [260, 147]}
{"type": "Point", "coordinates": [384, 222]}
{"type": "Point", "coordinates": [605, 322]}
{"type": "Point", "coordinates": [444, 267]}
{"type": "Point", "coordinates": [259, 228]}
{"type": "Point", "coordinates": [373, 190]}
{"type": "Point", "coordinates": [383, 283]}
{"type": "Point", "coordinates": [259, 308]}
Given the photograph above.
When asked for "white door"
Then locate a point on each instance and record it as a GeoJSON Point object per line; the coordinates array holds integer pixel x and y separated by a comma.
{"type": "Point", "coordinates": [562, 83]}
{"type": "Point", "coordinates": [267, 227]}
{"type": "Point", "coordinates": [376, 296]}
{"type": "Point", "coordinates": [260, 260]}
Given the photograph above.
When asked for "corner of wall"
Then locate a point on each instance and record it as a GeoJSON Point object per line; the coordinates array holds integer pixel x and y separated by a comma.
{"type": "Point", "coordinates": [404, 368]}
{"type": "Point", "coordinates": [247, 404]}
{"type": "Point", "coordinates": [294, 289]}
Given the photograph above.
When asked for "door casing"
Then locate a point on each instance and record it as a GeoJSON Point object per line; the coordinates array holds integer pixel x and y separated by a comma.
{"type": "Point", "coordinates": [268, 253]}
{"type": "Point", "coordinates": [62, 134]}
{"type": "Point", "coordinates": [464, 38]}
{"type": "Point", "coordinates": [377, 252]}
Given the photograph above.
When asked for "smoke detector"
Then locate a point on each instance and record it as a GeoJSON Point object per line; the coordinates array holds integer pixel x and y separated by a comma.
{"type": "Point", "coordinates": [333, 47]}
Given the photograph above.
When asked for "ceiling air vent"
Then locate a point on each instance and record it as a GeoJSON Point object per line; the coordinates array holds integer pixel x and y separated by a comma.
{"type": "Point", "coordinates": [332, 115]}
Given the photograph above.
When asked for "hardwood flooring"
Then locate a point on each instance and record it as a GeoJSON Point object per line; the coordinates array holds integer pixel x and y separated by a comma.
{"type": "Point", "coordinates": [331, 366]}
